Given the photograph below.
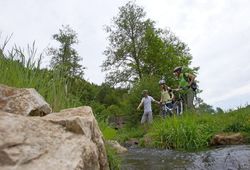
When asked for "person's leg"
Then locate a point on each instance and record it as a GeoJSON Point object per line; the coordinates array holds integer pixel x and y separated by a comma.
{"type": "Point", "coordinates": [144, 121]}
{"type": "Point", "coordinates": [150, 117]}
{"type": "Point", "coordinates": [149, 120]}
{"type": "Point", "coordinates": [143, 118]}
{"type": "Point", "coordinates": [190, 99]}
{"type": "Point", "coordinates": [185, 101]}
{"type": "Point", "coordinates": [169, 108]}
{"type": "Point", "coordinates": [163, 110]}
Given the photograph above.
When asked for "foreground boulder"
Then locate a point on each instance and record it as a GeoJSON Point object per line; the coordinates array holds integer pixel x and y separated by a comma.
{"type": "Point", "coordinates": [68, 140]}
{"type": "Point", "coordinates": [23, 101]}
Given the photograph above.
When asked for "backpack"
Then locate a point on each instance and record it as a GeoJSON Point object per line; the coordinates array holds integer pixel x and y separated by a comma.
{"type": "Point", "coordinates": [194, 85]}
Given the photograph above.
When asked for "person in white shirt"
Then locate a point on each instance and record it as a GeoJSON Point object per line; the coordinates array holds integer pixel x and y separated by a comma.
{"type": "Point", "coordinates": [146, 102]}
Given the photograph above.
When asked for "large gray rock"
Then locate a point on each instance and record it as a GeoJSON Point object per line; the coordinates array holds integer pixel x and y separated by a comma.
{"type": "Point", "coordinates": [68, 140]}
{"type": "Point", "coordinates": [23, 101]}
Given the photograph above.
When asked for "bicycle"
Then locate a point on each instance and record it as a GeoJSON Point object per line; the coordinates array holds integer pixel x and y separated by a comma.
{"type": "Point", "coordinates": [178, 105]}
{"type": "Point", "coordinates": [167, 109]}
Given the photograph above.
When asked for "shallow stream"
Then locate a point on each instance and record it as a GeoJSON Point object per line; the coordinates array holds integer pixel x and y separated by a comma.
{"type": "Point", "coordinates": [228, 158]}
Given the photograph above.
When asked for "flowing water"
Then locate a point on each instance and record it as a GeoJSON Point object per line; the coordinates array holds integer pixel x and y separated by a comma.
{"type": "Point", "coordinates": [228, 158]}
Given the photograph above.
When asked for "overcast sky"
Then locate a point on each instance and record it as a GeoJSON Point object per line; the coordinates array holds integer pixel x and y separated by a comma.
{"type": "Point", "coordinates": [216, 31]}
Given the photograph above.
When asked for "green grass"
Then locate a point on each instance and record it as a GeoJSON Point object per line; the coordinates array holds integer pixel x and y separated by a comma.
{"type": "Point", "coordinates": [113, 159]}
{"type": "Point", "coordinates": [108, 132]}
{"type": "Point", "coordinates": [128, 133]}
{"type": "Point", "coordinates": [194, 131]}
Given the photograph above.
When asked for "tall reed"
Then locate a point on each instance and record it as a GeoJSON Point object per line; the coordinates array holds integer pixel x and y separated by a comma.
{"type": "Point", "coordinates": [22, 69]}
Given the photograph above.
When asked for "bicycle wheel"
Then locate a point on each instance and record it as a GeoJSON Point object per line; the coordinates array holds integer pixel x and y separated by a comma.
{"type": "Point", "coordinates": [163, 111]}
{"type": "Point", "coordinates": [178, 108]}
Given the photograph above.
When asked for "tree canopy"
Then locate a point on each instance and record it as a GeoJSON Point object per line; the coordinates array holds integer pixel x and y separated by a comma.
{"type": "Point", "coordinates": [65, 59]}
{"type": "Point", "coordinates": [137, 48]}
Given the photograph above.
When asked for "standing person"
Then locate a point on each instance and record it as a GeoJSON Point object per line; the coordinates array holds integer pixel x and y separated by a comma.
{"type": "Point", "coordinates": [166, 99]}
{"type": "Point", "coordinates": [187, 86]}
{"type": "Point", "coordinates": [146, 101]}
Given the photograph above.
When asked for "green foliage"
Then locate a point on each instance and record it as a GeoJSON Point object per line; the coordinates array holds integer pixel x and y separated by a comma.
{"type": "Point", "coordinates": [128, 133]}
{"type": "Point", "coordinates": [109, 96]}
{"type": "Point", "coordinates": [114, 110]}
{"type": "Point", "coordinates": [234, 127]}
{"type": "Point", "coordinates": [113, 159]}
{"type": "Point", "coordinates": [97, 109]}
{"type": "Point", "coordinates": [163, 52]}
{"type": "Point", "coordinates": [239, 121]}
{"type": "Point", "coordinates": [123, 63]}
{"type": "Point", "coordinates": [137, 49]}
{"type": "Point", "coordinates": [219, 110]}
{"type": "Point", "coordinates": [205, 108]}
{"type": "Point", "coordinates": [108, 132]}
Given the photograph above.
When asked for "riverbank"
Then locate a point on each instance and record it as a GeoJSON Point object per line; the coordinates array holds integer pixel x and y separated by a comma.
{"type": "Point", "coordinates": [189, 132]}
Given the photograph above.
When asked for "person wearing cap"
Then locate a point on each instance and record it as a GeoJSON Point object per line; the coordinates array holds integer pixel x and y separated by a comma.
{"type": "Point", "coordinates": [166, 98]}
{"type": "Point", "coordinates": [146, 101]}
{"type": "Point", "coordinates": [186, 85]}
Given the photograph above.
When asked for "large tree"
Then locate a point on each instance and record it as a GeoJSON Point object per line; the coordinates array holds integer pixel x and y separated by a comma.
{"type": "Point", "coordinates": [125, 49]}
{"type": "Point", "coordinates": [137, 49]}
{"type": "Point", "coordinates": [65, 59]}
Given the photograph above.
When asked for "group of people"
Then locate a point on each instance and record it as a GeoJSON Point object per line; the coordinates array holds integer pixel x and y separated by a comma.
{"type": "Point", "coordinates": [187, 87]}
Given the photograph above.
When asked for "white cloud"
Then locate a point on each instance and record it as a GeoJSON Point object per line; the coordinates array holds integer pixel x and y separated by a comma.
{"type": "Point", "coordinates": [234, 92]}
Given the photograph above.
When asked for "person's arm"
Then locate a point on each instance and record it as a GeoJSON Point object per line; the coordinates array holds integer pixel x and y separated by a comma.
{"type": "Point", "coordinates": [191, 78]}
{"type": "Point", "coordinates": [138, 108]}
{"type": "Point", "coordinates": [153, 100]}
{"type": "Point", "coordinates": [171, 95]}
{"type": "Point", "coordinates": [161, 98]}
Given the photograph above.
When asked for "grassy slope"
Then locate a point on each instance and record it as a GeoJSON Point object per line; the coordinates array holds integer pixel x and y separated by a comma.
{"type": "Point", "coordinates": [191, 131]}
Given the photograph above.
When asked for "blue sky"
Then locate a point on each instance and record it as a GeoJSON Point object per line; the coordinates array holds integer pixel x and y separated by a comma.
{"type": "Point", "coordinates": [216, 31]}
